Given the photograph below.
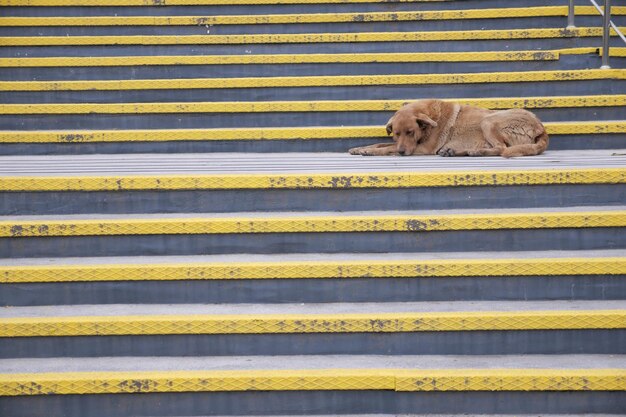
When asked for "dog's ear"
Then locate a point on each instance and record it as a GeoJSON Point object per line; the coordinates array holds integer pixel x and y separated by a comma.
{"type": "Point", "coordinates": [389, 126]}
{"type": "Point", "coordinates": [424, 121]}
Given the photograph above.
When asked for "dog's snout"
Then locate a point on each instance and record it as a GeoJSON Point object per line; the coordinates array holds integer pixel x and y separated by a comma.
{"type": "Point", "coordinates": [402, 151]}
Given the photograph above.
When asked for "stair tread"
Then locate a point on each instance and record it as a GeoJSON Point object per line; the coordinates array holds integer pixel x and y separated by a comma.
{"type": "Point", "coordinates": [310, 257]}
{"type": "Point", "coordinates": [115, 310]}
{"type": "Point", "coordinates": [306, 214]}
{"type": "Point", "coordinates": [221, 363]}
{"type": "Point", "coordinates": [251, 163]}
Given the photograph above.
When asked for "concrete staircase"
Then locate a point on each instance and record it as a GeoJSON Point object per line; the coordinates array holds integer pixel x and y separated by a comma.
{"type": "Point", "coordinates": [183, 233]}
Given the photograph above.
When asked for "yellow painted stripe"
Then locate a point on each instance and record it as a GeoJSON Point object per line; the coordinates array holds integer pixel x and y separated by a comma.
{"type": "Point", "coordinates": [105, 3]}
{"type": "Point", "coordinates": [620, 52]}
{"type": "Point", "coordinates": [512, 380]}
{"type": "Point", "coordinates": [314, 269]}
{"type": "Point", "coordinates": [131, 61]}
{"type": "Point", "coordinates": [315, 181]}
{"type": "Point", "coordinates": [498, 13]}
{"type": "Point", "coordinates": [278, 133]}
{"type": "Point", "coordinates": [311, 224]}
{"type": "Point", "coordinates": [462, 379]}
{"type": "Point", "coordinates": [312, 323]}
{"type": "Point", "coordinates": [315, 81]}
{"type": "Point", "coordinates": [304, 106]}
{"type": "Point", "coordinates": [303, 38]}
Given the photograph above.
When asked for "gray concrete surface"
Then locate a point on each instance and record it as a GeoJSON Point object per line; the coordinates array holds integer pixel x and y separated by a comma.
{"type": "Point", "coordinates": [298, 214]}
{"type": "Point", "coordinates": [110, 364]}
{"type": "Point", "coordinates": [312, 257]}
{"type": "Point", "coordinates": [308, 308]}
{"type": "Point", "coordinates": [242, 163]}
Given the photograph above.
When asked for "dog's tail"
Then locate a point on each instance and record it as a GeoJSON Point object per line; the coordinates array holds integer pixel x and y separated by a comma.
{"type": "Point", "coordinates": [540, 145]}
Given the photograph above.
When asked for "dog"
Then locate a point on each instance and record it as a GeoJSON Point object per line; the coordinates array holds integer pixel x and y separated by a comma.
{"type": "Point", "coordinates": [436, 127]}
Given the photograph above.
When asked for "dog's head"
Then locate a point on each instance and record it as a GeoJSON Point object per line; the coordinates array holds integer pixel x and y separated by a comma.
{"type": "Point", "coordinates": [410, 126]}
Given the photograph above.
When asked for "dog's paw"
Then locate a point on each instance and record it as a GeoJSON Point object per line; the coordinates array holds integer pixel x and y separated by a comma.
{"type": "Point", "coordinates": [446, 152]}
{"type": "Point", "coordinates": [363, 151]}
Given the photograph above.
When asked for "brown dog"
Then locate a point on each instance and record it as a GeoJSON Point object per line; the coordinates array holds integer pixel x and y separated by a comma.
{"type": "Point", "coordinates": [429, 127]}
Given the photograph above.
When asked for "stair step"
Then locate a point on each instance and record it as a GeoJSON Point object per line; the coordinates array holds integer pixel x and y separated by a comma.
{"type": "Point", "coordinates": [436, 36]}
{"type": "Point", "coordinates": [168, 115]}
{"type": "Point", "coordinates": [494, 13]}
{"type": "Point", "coordinates": [494, 327]}
{"type": "Point", "coordinates": [305, 266]}
{"type": "Point", "coordinates": [337, 384]}
{"type": "Point", "coordinates": [32, 168]}
{"type": "Point", "coordinates": [221, 182]}
{"type": "Point", "coordinates": [347, 80]}
{"type": "Point", "coordinates": [285, 278]}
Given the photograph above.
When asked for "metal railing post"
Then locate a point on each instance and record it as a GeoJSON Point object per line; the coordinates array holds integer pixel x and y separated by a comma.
{"type": "Point", "coordinates": [606, 34]}
{"type": "Point", "coordinates": [570, 15]}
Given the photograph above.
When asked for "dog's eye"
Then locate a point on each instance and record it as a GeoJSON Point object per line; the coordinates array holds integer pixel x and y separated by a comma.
{"type": "Point", "coordinates": [410, 132]}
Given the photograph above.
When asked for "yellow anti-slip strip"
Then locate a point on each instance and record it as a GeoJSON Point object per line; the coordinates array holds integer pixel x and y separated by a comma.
{"type": "Point", "coordinates": [312, 224]}
{"type": "Point", "coordinates": [315, 181]}
{"type": "Point", "coordinates": [105, 3]}
{"type": "Point", "coordinates": [277, 133]}
{"type": "Point", "coordinates": [498, 13]}
{"type": "Point", "coordinates": [314, 269]}
{"type": "Point", "coordinates": [303, 38]}
{"type": "Point", "coordinates": [131, 61]}
{"type": "Point", "coordinates": [312, 323]}
{"type": "Point", "coordinates": [155, 60]}
{"type": "Point", "coordinates": [305, 106]}
{"type": "Point", "coordinates": [462, 379]}
{"type": "Point", "coordinates": [315, 81]}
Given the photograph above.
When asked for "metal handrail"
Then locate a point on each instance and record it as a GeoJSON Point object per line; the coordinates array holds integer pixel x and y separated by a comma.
{"type": "Point", "coordinates": [606, 27]}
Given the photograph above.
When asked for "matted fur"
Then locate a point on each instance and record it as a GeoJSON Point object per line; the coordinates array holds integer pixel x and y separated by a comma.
{"type": "Point", "coordinates": [429, 127]}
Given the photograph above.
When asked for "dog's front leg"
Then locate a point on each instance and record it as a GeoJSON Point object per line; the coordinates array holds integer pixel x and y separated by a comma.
{"type": "Point", "coordinates": [379, 149]}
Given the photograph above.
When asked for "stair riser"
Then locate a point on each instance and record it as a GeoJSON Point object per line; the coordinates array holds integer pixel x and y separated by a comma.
{"type": "Point", "coordinates": [406, 26]}
{"type": "Point", "coordinates": [319, 48]}
{"type": "Point", "coordinates": [276, 70]}
{"type": "Point", "coordinates": [353, 290]}
{"type": "Point", "coordinates": [216, 120]}
{"type": "Point", "coordinates": [490, 240]}
{"type": "Point", "coordinates": [557, 142]}
{"type": "Point", "coordinates": [422, 343]}
{"type": "Point", "coordinates": [379, 92]}
{"type": "Point", "coordinates": [314, 402]}
{"type": "Point", "coordinates": [427, 198]}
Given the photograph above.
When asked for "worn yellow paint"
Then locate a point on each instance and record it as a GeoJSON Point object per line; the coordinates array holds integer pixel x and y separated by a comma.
{"type": "Point", "coordinates": [277, 133]}
{"type": "Point", "coordinates": [314, 181]}
{"type": "Point", "coordinates": [315, 81]}
{"type": "Point", "coordinates": [303, 38]}
{"type": "Point", "coordinates": [375, 269]}
{"type": "Point", "coordinates": [512, 380]}
{"type": "Point", "coordinates": [398, 16]}
{"type": "Point", "coordinates": [245, 59]}
{"type": "Point", "coordinates": [27, 3]}
{"type": "Point", "coordinates": [311, 224]}
{"type": "Point", "coordinates": [312, 323]}
{"type": "Point", "coordinates": [462, 379]}
{"type": "Point", "coordinates": [305, 106]}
